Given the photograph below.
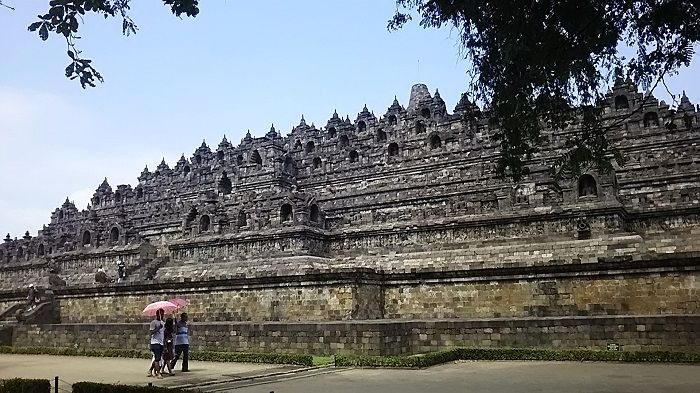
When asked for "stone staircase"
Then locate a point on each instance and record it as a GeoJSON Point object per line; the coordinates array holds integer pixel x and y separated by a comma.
{"type": "Point", "coordinates": [44, 312]}
{"type": "Point", "coordinates": [146, 270]}
{"type": "Point", "coordinates": [9, 315]}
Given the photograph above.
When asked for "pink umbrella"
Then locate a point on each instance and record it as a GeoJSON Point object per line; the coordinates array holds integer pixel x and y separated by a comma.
{"type": "Point", "coordinates": [179, 302]}
{"type": "Point", "coordinates": [151, 309]}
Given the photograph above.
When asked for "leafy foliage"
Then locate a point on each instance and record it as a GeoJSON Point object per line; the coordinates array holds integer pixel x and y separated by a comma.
{"type": "Point", "coordinates": [16, 385]}
{"type": "Point", "coordinates": [64, 16]}
{"type": "Point", "coordinates": [541, 64]}
{"type": "Point", "coordinates": [434, 358]}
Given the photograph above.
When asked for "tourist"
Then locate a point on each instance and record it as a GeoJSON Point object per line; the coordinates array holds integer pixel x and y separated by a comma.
{"type": "Point", "coordinates": [121, 271]}
{"type": "Point", "coordinates": [168, 346]}
{"type": "Point", "coordinates": [101, 276]}
{"type": "Point", "coordinates": [31, 297]}
{"type": "Point", "coordinates": [157, 334]}
{"type": "Point", "coordinates": [182, 342]}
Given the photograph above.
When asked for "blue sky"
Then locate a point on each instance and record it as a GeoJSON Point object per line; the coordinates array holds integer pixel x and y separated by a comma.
{"type": "Point", "coordinates": [238, 65]}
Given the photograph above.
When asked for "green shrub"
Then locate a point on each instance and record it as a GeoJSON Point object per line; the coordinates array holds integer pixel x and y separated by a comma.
{"type": "Point", "coordinates": [90, 387]}
{"type": "Point", "coordinates": [62, 351]}
{"type": "Point", "coordinates": [18, 385]}
{"type": "Point", "coordinates": [433, 358]}
{"type": "Point", "coordinates": [276, 358]}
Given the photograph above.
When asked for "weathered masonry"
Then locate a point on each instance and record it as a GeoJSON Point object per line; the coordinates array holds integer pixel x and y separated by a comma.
{"type": "Point", "coordinates": [387, 235]}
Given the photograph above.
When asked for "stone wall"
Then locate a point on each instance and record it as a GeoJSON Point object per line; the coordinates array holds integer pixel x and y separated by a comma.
{"type": "Point", "coordinates": [390, 337]}
{"type": "Point", "coordinates": [295, 303]}
{"type": "Point", "coordinates": [21, 276]}
{"type": "Point", "coordinates": [655, 284]}
{"type": "Point", "coordinates": [652, 294]}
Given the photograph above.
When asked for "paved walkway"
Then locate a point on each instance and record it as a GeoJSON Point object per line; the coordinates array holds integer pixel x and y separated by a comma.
{"type": "Point", "coordinates": [491, 377]}
{"type": "Point", "coordinates": [463, 377]}
{"type": "Point", "coordinates": [71, 369]}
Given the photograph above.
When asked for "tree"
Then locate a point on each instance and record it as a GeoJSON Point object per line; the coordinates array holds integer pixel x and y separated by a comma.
{"type": "Point", "coordinates": [542, 63]}
{"type": "Point", "coordinates": [63, 18]}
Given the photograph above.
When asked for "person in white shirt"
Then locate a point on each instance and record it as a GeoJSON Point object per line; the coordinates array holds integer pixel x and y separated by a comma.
{"type": "Point", "coordinates": [156, 330]}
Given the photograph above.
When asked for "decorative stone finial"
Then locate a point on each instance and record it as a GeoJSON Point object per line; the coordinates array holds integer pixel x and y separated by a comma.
{"type": "Point", "coordinates": [144, 173]}
{"type": "Point", "coordinates": [163, 165]}
{"type": "Point", "coordinates": [684, 98]}
{"type": "Point", "coordinates": [204, 144]}
{"type": "Point", "coordinates": [302, 122]}
{"type": "Point", "coordinates": [248, 137]}
{"type": "Point", "coordinates": [464, 104]}
{"type": "Point", "coordinates": [104, 186]}
{"type": "Point", "coordinates": [272, 134]}
{"type": "Point", "coordinates": [419, 92]}
{"type": "Point", "coordinates": [395, 106]}
{"type": "Point", "coordinates": [8, 238]}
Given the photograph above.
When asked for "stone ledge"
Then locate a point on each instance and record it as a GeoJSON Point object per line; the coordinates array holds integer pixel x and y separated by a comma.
{"type": "Point", "coordinates": [650, 264]}
{"type": "Point", "coordinates": [599, 319]}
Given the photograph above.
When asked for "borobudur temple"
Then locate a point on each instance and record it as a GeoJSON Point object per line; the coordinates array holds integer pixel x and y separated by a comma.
{"type": "Point", "coordinates": [382, 235]}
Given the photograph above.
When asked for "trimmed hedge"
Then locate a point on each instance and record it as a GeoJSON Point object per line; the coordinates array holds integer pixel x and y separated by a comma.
{"type": "Point", "coordinates": [91, 387]}
{"type": "Point", "coordinates": [62, 351]}
{"type": "Point", "coordinates": [244, 357]}
{"type": "Point", "coordinates": [434, 358]}
{"type": "Point", "coordinates": [19, 385]}
{"type": "Point", "coordinates": [209, 356]}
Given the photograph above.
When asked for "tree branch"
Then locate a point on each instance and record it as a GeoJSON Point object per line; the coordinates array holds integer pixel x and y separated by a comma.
{"type": "Point", "coordinates": [6, 6]}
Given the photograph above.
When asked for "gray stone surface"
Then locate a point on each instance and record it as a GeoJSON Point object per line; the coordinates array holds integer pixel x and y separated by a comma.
{"type": "Point", "coordinates": [390, 337]}
{"type": "Point", "coordinates": [72, 369]}
{"type": "Point", "coordinates": [493, 377]}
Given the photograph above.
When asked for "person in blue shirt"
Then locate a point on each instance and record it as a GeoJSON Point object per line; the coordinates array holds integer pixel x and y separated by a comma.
{"type": "Point", "coordinates": [182, 343]}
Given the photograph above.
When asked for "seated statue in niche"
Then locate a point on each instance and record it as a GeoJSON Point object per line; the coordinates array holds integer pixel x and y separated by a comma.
{"type": "Point", "coordinates": [583, 228]}
{"type": "Point", "coordinates": [520, 196]}
{"type": "Point", "coordinates": [588, 187]}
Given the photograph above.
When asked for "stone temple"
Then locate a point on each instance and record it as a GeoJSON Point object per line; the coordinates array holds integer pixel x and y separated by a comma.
{"type": "Point", "coordinates": [383, 235]}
